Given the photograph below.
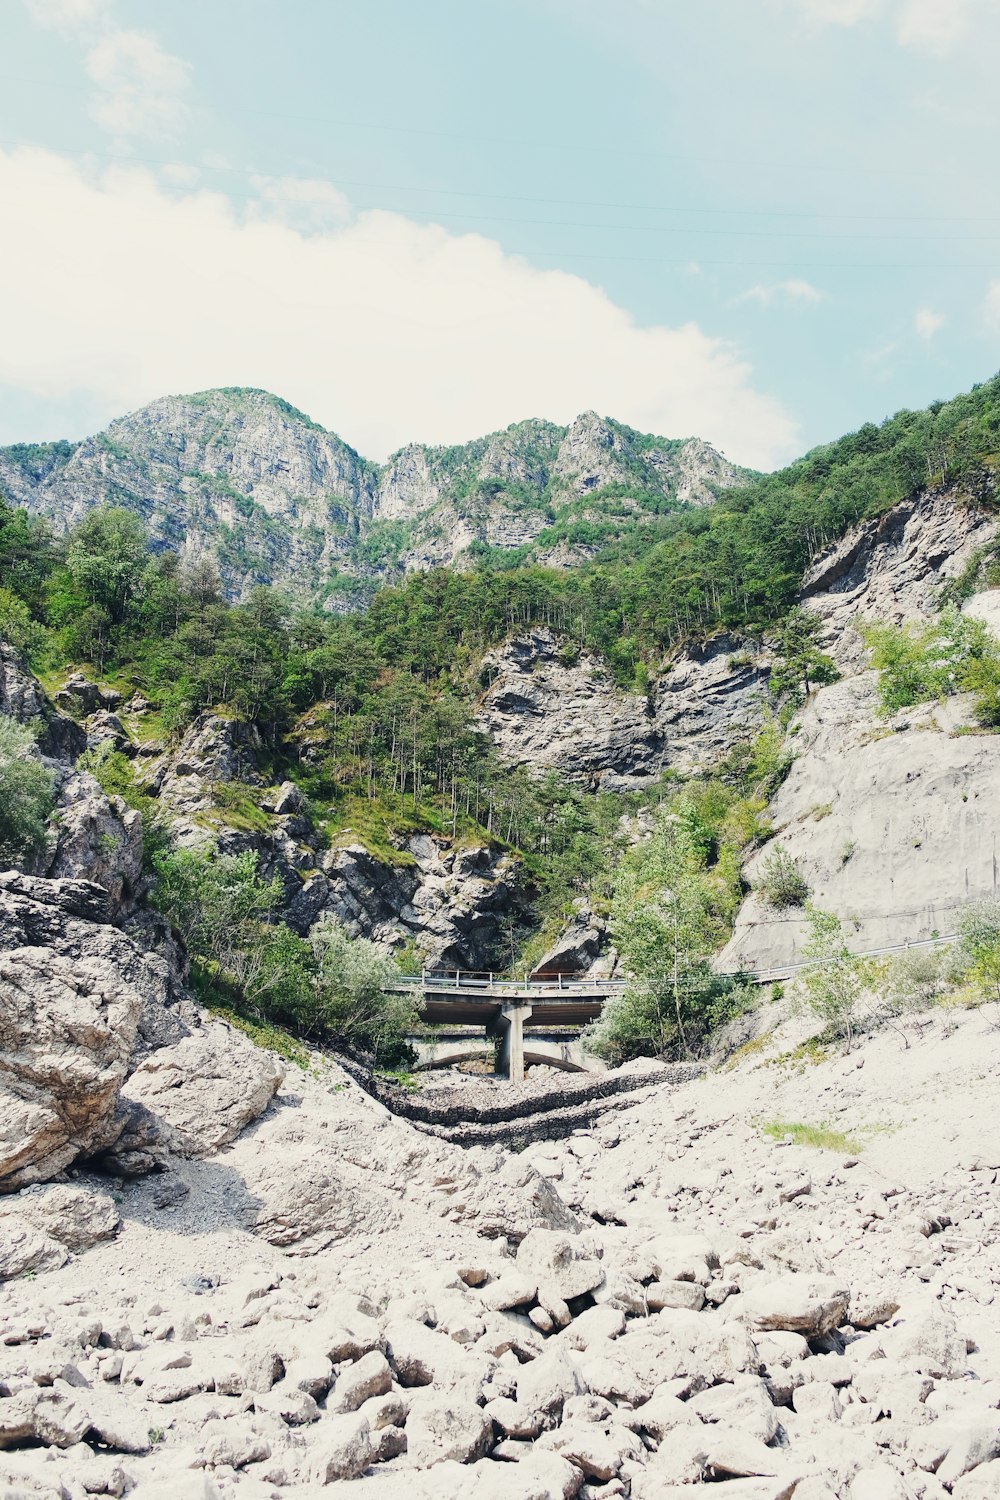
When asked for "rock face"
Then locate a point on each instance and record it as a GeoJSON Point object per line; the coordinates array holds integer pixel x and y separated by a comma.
{"type": "Point", "coordinates": [891, 569]}
{"type": "Point", "coordinates": [97, 839]}
{"type": "Point", "coordinates": [21, 698]}
{"type": "Point", "coordinates": [213, 473]}
{"type": "Point", "coordinates": [890, 824]}
{"type": "Point", "coordinates": [551, 708]}
{"type": "Point", "coordinates": [206, 1088]}
{"type": "Point", "coordinates": [463, 907]}
{"type": "Point", "coordinates": [73, 990]}
{"type": "Point", "coordinates": [709, 698]}
{"type": "Point", "coordinates": [582, 948]}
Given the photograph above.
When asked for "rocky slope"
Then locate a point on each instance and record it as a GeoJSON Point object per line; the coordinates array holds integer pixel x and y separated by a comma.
{"type": "Point", "coordinates": [889, 820]}
{"type": "Point", "coordinates": [242, 477]}
{"type": "Point", "coordinates": [223, 1275]}
{"type": "Point", "coordinates": [891, 570]}
{"type": "Point", "coordinates": [668, 1298]}
{"type": "Point", "coordinates": [552, 707]}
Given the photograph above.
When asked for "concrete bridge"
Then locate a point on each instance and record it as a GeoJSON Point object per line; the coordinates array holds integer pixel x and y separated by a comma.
{"type": "Point", "coordinates": [456, 997]}
{"type": "Point", "coordinates": [470, 1044]}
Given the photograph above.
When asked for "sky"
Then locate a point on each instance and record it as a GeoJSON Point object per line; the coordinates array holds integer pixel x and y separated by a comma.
{"type": "Point", "coordinates": [762, 222]}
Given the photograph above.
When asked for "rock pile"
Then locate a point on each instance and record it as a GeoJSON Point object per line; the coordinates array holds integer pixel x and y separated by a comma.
{"type": "Point", "coordinates": [667, 1299]}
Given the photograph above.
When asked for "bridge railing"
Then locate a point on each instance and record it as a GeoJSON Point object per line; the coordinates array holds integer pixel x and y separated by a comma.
{"type": "Point", "coordinates": [485, 982]}
{"type": "Point", "coordinates": [789, 970]}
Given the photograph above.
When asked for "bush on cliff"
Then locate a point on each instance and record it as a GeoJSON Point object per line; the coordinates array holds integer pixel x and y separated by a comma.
{"type": "Point", "coordinates": [330, 987]}
{"type": "Point", "coordinates": [25, 794]}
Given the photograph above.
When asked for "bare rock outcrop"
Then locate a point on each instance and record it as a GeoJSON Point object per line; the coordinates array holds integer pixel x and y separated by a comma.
{"type": "Point", "coordinates": [22, 698]}
{"type": "Point", "coordinates": [891, 568]}
{"type": "Point", "coordinates": [709, 698]}
{"type": "Point", "coordinates": [461, 906]}
{"type": "Point", "coordinates": [207, 1087]}
{"type": "Point", "coordinates": [583, 947]}
{"type": "Point", "coordinates": [74, 988]}
{"type": "Point", "coordinates": [550, 707]}
{"type": "Point", "coordinates": [98, 839]}
{"type": "Point", "coordinates": [889, 821]}
{"type": "Point", "coordinates": [215, 748]}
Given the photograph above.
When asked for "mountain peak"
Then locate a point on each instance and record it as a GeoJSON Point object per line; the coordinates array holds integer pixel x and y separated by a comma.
{"type": "Point", "coordinates": [239, 473]}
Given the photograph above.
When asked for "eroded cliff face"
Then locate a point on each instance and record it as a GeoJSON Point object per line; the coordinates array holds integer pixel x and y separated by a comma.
{"type": "Point", "coordinates": [553, 707]}
{"type": "Point", "coordinates": [241, 477]}
{"type": "Point", "coordinates": [891, 570]}
{"type": "Point", "coordinates": [892, 821]}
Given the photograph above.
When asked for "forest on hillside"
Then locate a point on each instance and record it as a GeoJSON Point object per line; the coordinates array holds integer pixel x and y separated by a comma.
{"type": "Point", "coordinates": [371, 712]}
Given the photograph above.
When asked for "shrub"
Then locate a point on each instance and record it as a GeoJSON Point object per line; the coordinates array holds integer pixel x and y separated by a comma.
{"type": "Point", "coordinates": [331, 987]}
{"type": "Point", "coordinates": [353, 976]}
{"type": "Point", "coordinates": [833, 987]}
{"type": "Point", "coordinates": [25, 794]}
{"type": "Point", "coordinates": [979, 947]}
{"type": "Point", "coordinates": [16, 624]}
{"type": "Point", "coordinates": [781, 884]}
{"type": "Point", "coordinates": [915, 979]}
{"type": "Point", "coordinates": [957, 654]}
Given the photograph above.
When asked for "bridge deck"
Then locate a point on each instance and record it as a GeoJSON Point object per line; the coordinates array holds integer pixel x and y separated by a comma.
{"type": "Point", "coordinates": [457, 998]}
{"type": "Point", "coordinates": [551, 1010]}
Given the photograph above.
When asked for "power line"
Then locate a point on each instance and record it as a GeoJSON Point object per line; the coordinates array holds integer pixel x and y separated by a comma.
{"type": "Point", "coordinates": [256, 174]}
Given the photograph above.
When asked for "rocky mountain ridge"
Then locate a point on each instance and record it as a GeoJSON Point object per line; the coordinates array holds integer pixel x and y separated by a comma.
{"type": "Point", "coordinates": [228, 1277]}
{"type": "Point", "coordinates": [242, 477]}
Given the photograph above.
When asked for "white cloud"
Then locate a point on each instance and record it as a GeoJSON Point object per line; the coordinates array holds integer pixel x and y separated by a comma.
{"type": "Point", "coordinates": [308, 203]}
{"type": "Point", "coordinates": [119, 290]}
{"type": "Point", "coordinates": [786, 291]}
{"type": "Point", "coordinates": [991, 306]}
{"type": "Point", "coordinates": [926, 25]}
{"type": "Point", "coordinates": [141, 87]}
{"type": "Point", "coordinates": [67, 15]}
{"type": "Point", "coordinates": [933, 25]}
{"type": "Point", "coordinates": [927, 322]}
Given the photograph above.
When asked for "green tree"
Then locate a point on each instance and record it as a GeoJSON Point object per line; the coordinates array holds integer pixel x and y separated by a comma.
{"type": "Point", "coordinates": [16, 624]}
{"type": "Point", "coordinates": [799, 664]}
{"type": "Point", "coordinates": [25, 794]}
{"type": "Point", "coordinates": [979, 933]}
{"type": "Point", "coordinates": [674, 899]}
{"type": "Point", "coordinates": [108, 560]}
{"type": "Point", "coordinates": [355, 1002]}
{"type": "Point", "coordinates": [781, 884]}
{"type": "Point", "coordinates": [836, 980]}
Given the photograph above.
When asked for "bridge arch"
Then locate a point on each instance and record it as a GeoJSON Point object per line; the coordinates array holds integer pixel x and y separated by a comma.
{"type": "Point", "coordinates": [566, 1054]}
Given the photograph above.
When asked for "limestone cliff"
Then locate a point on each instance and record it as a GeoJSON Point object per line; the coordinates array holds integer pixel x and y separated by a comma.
{"type": "Point", "coordinates": [891, 821]}
{"type": "Point", "coordinates": [243, 478]}
{"type": "Point", "coordinates": [550, 706]}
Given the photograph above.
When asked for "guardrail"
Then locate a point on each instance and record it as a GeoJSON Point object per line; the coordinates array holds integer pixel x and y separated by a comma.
{"type": "Point", "coordinates": [487, 983]}
{"type": "Point", "coordinates": [483, 981]}
{"type": "Point", "coordinates": [785, 971]}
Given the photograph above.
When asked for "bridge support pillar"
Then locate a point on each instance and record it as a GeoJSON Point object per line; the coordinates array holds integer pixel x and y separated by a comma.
{"type": "Point", "coordinates": [510, 1024]}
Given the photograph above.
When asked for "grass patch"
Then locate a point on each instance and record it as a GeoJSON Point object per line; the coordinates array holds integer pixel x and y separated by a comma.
{"type": "Point", "coordinates": [401, 1078]}
{"type": "Point", "coordinates": [820, 1137]}
{"type": "Point", "coordinates": [146, 727]}
{"type": "Point", "coordinates": [753, 1048]}
{"type": "Point", "coordinates": [814, 1050]}
{"type": "Point", "coordinates": [380, 829]}
{"type": "Point", "coordinates": [269, 1038]}
{"type": "Point", "coordinates": [963, 997]}
{"type": "Point", "coordinates": [236, 806]}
